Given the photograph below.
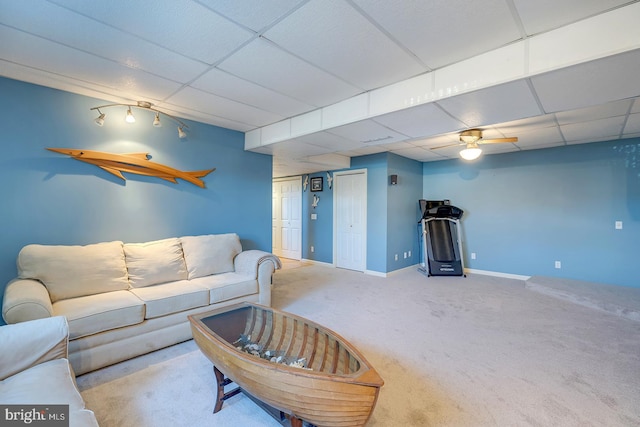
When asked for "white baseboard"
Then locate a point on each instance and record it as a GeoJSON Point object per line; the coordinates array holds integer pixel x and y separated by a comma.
{"type": "Point", "coordinates": [496, 274]}
{"type": "Point", "coordinates": [312, 261]}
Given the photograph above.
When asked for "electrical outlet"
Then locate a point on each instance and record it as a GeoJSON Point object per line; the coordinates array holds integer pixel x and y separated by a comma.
{"type": "Point", "coordinates": [473, 255]}
{"type": "Point", "coordinates": [405, 255]}
{"type": "Point", "coordinates": [313, 249]}
{"type": "Point", "coordinates": [558, 264]}
{"type": "Point", "coordinates": [618, 225]}
{"type": "Point", "coordinates": [396, 257]}
{"type": "Point", "coordinates": [409, 254]}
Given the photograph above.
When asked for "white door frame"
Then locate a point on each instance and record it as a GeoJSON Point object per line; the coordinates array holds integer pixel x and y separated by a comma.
{"type": "Point", "coordinates": [335, 214]}
{"type": "Point", "coordinates": [298, 209]}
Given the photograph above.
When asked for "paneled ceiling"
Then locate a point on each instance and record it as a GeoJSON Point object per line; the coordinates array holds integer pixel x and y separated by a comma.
{"type": "Point", "coordinates": [315, 82]}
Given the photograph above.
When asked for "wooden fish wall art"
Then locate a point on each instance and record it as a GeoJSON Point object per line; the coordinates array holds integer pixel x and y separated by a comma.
{"type": "Point", "coordinates": [137, 163]}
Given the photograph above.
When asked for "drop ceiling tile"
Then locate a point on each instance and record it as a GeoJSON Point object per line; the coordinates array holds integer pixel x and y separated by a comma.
{"type": "Point", "coordinates": [42, 54]}
{"type": "Point", "coordinates": [265, 64]}
{"type": "Point", "coordinates": [439, 33]}
{"type": "Point", "coordinates": [539, 137]}
{"type": "Point", "coordinates": [205, 102]}
{"type": "Point", "coordinates": [330, 141]}
{"type": "Point", "coordinates": [594, 129]}
{"type": "Point", "coordinates": [516, 127]}
{"type": "Point", "coordinates": [536, 18]}
{"type": "Point", "coordinates": [182, 26]}
{"type": "Point", "coordinates": [255, 14]}
{"type": "Point", "coordinates": [591, 140]}
{"type": "Point", "coordinates": [589, 84]}
{"type": "Point", "coordinates": [223, 84]}
{"type": "Point", "coordinates": [98, 39]}
{"type": "Point", "coordinates": [506, 102]}
{"type": "Point", "coordinates": [368, 132]}
{"type": "Point", "coordinates": [540, 146]}
{"type": "Point", "coordinates": [633, 124]}
{"type": "Point", "coordinates": [203, 117]}
{"type": "Point", "coordinates": [437, 141]}
{"type": "Point", "coordinates": [423, 120]}
{"type": "Point", "coordinates": [334, 36]}
{"type": "Point", "coordinates": [417, 153]}
{"type": "Point", "coordinates": [610, 109]}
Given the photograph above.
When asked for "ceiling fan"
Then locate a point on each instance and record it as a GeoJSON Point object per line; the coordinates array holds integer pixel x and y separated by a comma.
{"type": "Point", "coordinates": [472, 139]}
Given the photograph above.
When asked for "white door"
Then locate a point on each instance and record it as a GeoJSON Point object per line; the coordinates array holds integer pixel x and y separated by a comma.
{"type": "Point", "coordinates": [350, 220]}
{"type": "Point", "coordinates": [287, 218]}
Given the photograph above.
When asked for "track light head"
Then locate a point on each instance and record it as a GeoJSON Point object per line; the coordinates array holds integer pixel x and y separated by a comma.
{"type": "Point", "coordinates": [129, 118]}
{"type": "Point", "coordinates": [100, 120]}
{"type": "Point", "coordinates": [156, 121]}
{"type": "Point", "coordinates": [181, 133]}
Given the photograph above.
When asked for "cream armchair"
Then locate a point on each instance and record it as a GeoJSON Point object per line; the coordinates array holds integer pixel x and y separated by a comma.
{"type": "Point", "coordinates": [34, 369]}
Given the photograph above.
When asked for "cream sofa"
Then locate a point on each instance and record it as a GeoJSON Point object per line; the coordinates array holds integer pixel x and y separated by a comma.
{"type": "Point", "coordinates": [34, 369]}
{"type": "Point", "coordinates": [122, 300]}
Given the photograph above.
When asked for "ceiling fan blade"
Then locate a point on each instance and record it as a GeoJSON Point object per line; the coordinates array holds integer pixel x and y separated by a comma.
{"type": "Point", "coordinates": [448, 145]}
{"type": "Point", "coordinates": [498, 140]}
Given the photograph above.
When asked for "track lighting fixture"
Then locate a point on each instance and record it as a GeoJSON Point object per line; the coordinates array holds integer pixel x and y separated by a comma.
{"type": "Point", "coordinates": [129, 118]}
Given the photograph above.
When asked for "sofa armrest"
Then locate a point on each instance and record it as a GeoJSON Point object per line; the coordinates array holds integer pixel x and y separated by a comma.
{"type": "Point", "coordinates": [248, 262]}
{"type": "Point", "coordinates": [27, 344]}
{"type": "Point", "coordinates": [261, 266]}
{"type": "Point", "coordinates": [26, 299]}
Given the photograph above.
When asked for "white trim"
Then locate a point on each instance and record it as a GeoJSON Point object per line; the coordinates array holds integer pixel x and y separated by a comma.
{"type": "Point", "coordinates": [335, 215]}
{"type": "Point", "coordinates": [313, 261]}
{"type": "Point", "coordinates": [496, 274]}
{"type": "Point", "coordinates": [390, 273]}
{"type": "Point", "coordinates": [375, 273]}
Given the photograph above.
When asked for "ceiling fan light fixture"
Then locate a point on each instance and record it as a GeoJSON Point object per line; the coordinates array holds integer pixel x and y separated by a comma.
{"type": "Point", "coordinates": [472, 152]}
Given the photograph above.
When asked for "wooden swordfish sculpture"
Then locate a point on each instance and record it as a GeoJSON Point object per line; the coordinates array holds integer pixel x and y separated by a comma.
{"type": "Point", "coordinates": [137, 163]}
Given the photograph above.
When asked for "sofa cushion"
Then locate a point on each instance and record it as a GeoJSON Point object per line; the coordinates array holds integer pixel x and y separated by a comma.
{"type": "Point", "coordinates": [210, 254]}
{"type": "Point", "coordinates": [226, 286]}
{"type": "Point", "coordinates": [172, 297]}
{"type": "Point", "coordinates": [155, 262]}
{"type": "Point", "coordinates": [75, 271]}
{"type": "Point", "coordinates": [98, 313]}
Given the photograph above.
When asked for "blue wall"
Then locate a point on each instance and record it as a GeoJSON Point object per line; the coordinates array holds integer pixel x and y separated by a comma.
{"type": "Point", "coordinates": [525, 210]}
{"type": "Point", "coordinates": [49, 198]}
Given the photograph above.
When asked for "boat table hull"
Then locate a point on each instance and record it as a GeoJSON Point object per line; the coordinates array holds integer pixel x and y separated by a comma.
{"type": "Point", "coordinates": [340, 388]}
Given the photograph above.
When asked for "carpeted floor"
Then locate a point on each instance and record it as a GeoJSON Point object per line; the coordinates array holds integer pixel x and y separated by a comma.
{"type": "Point", "coordinates": [475, 351]}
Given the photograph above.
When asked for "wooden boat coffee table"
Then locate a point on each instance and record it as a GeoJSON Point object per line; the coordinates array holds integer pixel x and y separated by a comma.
{"type": "Point", "coordinates": [335, 387]}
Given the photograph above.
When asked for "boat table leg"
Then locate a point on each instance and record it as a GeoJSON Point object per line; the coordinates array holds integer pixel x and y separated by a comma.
{"type": "Point", "coordinates": [222, 396]}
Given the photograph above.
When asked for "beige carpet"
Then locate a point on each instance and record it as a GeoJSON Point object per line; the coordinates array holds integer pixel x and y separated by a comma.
{"type": "Point", "coordinates": [475, 351]}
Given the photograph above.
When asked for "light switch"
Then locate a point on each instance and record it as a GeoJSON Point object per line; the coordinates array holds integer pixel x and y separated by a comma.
{"type": "Point", "coordinates": [314, 216]}
{"type": "Point", "coordinates": [618, 225]}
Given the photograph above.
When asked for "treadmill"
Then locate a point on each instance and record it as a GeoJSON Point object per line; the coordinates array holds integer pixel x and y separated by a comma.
{"type": "Point", "coordinates": [441, 243]}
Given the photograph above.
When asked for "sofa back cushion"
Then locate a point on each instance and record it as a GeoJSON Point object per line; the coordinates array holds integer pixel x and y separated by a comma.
{"type": "Point", "coordinates": [210, 254]}
{"type": "Point", "coordinates": [155, 262]}
{"type": "Point", "coordinates": [75, 271]}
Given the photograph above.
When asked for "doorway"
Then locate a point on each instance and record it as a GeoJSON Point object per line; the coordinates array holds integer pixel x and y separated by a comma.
{"type": "Point", "coordinates": [287, 218]}
{"type": "Point", "coordinates": [350, 219]}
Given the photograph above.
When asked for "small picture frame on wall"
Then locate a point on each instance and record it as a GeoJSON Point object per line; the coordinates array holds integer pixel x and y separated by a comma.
{"type": "Point", "coordinates": [316, 184]}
